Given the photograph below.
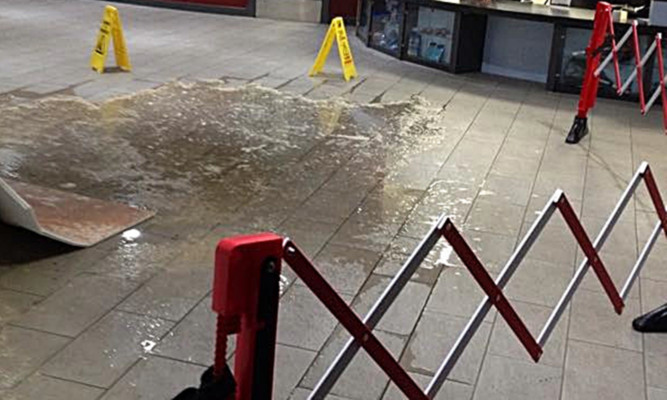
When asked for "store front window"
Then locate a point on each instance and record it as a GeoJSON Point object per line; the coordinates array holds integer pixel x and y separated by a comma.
{"type": "Point", "coordinates": [386, 26]}
{"type": "Point", "coordinates": [429, 34]}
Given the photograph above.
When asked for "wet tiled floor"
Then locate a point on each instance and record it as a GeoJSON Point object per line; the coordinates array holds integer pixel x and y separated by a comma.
{"type": "Point", "coordinates": [224, 136]}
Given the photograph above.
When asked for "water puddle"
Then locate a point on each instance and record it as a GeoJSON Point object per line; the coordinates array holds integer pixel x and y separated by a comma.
{"type": "Point", "coordinates": [188, 145]}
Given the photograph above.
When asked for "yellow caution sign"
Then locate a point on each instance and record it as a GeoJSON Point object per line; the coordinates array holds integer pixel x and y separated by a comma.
{"type": "Point", "coordinates": [111, 29]}
{"type": "Point", "coordinates": [336, 32]}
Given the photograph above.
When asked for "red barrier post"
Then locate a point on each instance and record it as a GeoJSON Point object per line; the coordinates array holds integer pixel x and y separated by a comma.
{"type": "Point", "coordinates": [245, 297]}
{"type": "Point", "coordinates": [661, 73]}
{"type": "Point", "coordinates": [601, 26]}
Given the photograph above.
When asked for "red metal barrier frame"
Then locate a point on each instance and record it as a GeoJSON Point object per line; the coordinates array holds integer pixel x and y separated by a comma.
{"type": "Point", "coordinates": [496, 295]}
{"type": "Point", "coordinates": [579, 233]}
{"type": "Point", "coordinates": [656, 198]}
{"type": "Point", "coordinates": [352, 323]}
{"type": "Point", "coordinates": [638, 66]}
{"type": "Point", "coordinates": [661, 73]}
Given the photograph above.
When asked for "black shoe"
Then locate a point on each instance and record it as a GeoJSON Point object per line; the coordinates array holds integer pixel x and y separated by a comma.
{"type": "Point", "coordinates": [579, 130]}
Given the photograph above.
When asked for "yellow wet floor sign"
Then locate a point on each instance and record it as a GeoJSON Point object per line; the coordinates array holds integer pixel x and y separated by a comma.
{"type": "Point", "coordinates": [336, 32]}
{"type": "Point", "coordinates": [111, 29]}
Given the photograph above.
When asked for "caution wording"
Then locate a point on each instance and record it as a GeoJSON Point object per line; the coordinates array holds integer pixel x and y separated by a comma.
{"type": "Point", "coordinates": [336, 32]}
{"type": "Point", "coordinates": [111, 29]}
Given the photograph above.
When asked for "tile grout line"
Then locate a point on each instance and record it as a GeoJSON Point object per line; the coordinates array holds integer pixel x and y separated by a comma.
{"type": "Point", "coordinates": [569, 308]}
{"type": "Point", "coordinates": [411, 335]}
{"type": "Point", "coordinates": [494, 318]}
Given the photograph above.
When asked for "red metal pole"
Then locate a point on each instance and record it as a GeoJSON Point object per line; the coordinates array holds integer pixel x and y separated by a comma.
{"type": "Point", "coordinates": [656, 198]}
{"type": "Point", "coordinates": [617, 69]}
{"type": "Point", "coordinates": [364, 336]}
{"type": "Point", "coordinates": [638, 66]}
{"type": "Point", "coordinates": [661, 74]}
{"type": "Point", "coordinates": [496, 295]}
{"type": "Point", "coordinates": [245, 296]}
{"type": "Point", "coordinates": [593, 257]}
{"type": "Point", "coordinates": [589, 89]}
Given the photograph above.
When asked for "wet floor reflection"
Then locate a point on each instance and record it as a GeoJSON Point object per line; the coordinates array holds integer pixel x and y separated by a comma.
{"type": "Point", "coordinates": [196, 145]}
{"type": "Point", "coordinates": [161, 146]}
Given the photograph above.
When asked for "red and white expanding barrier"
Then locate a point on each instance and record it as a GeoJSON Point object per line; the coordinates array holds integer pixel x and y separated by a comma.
{"type": "Point", "coordinates": [245, 297]}
{"type": "Point", "coordinates": [603, 36]}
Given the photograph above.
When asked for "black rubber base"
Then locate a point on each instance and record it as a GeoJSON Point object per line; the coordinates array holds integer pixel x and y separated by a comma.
{"type": "Point", "coordinates": [210, 389]}
{"type": "Point", "coordinates": [579, 130]}
{"type": "Point", "coordinates": [652, 322]}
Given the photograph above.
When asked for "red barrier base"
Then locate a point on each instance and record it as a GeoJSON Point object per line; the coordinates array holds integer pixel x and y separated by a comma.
{"type": "Point", "coordinates": [578, 131]}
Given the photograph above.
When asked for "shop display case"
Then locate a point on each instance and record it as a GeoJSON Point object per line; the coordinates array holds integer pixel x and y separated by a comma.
{"type": "Point", "coordinates": [572, 64]}
{"type": "Point", "coordinates": [451, 35]}
{"type": "Point", "coordinates": [429, 35]}
{"type": "Point", "coordinates": [386, 26]}
{"type": "Point", "coordinates": [364, 20]}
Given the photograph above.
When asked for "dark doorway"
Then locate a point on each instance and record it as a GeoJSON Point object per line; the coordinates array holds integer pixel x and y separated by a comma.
{"type": "Point", "coordinates": [340, 8]}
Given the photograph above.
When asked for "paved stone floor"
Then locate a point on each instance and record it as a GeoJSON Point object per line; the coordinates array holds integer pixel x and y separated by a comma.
{"type": "Point", "coordinates": [355, 185]}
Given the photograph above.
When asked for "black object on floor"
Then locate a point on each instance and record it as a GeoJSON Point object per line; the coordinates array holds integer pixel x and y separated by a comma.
{"type": "Point", "coordinates": [579, 130]}
{"type": "Point", "coordinates": [652, 322]}
{"type": "Point", "coordinates": [222, 388]}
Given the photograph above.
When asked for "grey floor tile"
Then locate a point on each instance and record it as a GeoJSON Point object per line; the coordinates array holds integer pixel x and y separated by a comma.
{"type": "Point", "coordinates": [309, 235]}
{"type": "Point", "coordinates": [394, 259]}
{"type": "Point", "coordinates": [539, 282]}
{"type": "Point", "coordinates": [618, 267]}
{"type": "Point", "coordinates": [493, 250]}
{"type": "Point", "coordinates": [363, 379]}
{"type": "Point", "coordinates": [46, 388]}
{"type": "Point", "coordinates": [493, 217]}
{"type": "Point", "coordinates": [171, 294]}
{"type": "Point", "coordinates": [622, 239]}
{"type": "Point", "coordinates": [655, 345]}
{"type": "Point", "coordinates": [76, 306]}
{"type": "Point", "coordinates": [13, 304]}
{"type": "Point", "coordinates": [291, 365]}
{"type": "Point", "coordinates": [456, 293]}
{"type": "Point", "coordinates": [403, 313]}
{"type": "Point", "coordinates": [504, 189]}
{"type": "Point", "coordinates": [504, 378]}
{"type": "Point", "coordinates": [302, 394]}
{"type": "Point", "coordinates": [550, 179]}
{"type": "Point", "coordinates": [346, 268]}
{"type": "Point", "coordinates": [594, 371]}
{"type": "Point", "coordinates": [193, 339]}
{"type": "Point", "coordinates": [107, 349]}
{"type": "Point", "coordinates": [450, 390]}
{"type": "Point", "coordinates": [593, 320]}
{"type": "Point", "coordinates": [655, 358]}
{"type": "Point", "coordinates": [155, 378]}
{"type": "Point", "coordinates": [505, 343]}
{"type": "Point", "coordinates": [432, 340]}
{"type": "Point", "coordinates": [23, 352]}
{"type": "Point", "coordinates": [555, 244]}
{"type": "Point", "coordinates": [329, 206]}
{"type": "Point", "coordinates": [45, 276]}
{"type": "Point", "coordinates": [656, 394]}
{"type": "Point", "coordinates": [303, 321]}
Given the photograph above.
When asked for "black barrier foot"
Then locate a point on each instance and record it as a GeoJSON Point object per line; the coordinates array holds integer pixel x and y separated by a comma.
{"type": "Point", "coordinates": [579, 130]}
{"type": "Point", "coordinates": [211, 388]}
{"type": "Point", "coordinates": [653, 322]}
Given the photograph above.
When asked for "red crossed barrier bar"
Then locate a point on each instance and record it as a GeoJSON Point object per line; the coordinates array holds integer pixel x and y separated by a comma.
{"type": "Point", "coordinates": [245, 296]}
{"type": "Point", "coordinates": [603, 35]}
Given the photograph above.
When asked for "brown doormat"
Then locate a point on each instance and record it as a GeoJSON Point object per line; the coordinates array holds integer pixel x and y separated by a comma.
{"type": "Point", "coordinates": [66, 217]}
